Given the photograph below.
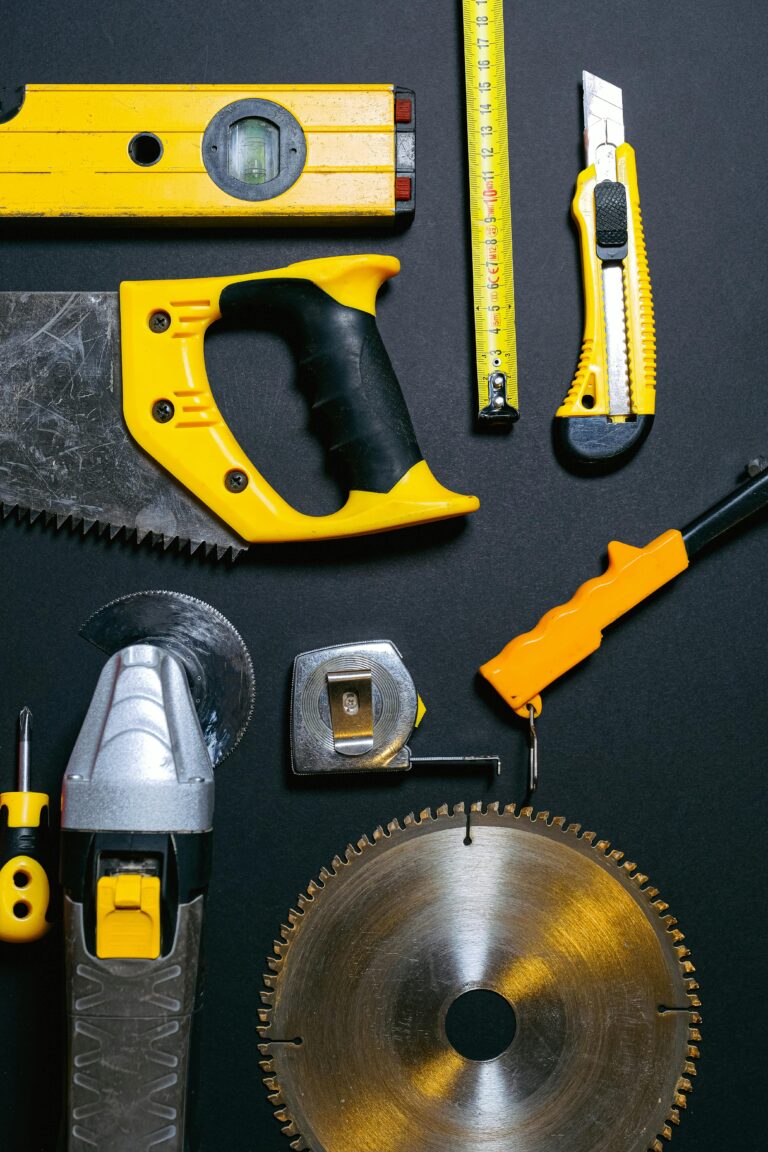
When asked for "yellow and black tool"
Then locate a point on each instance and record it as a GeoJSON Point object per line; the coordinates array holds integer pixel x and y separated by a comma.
{"type": "Point", "coordinates": [25, 891]}
{"type": "Point", "coordinates": [490, 208]}
{"type": "Point", "coordinates": [609, 409]}
{"type": "Point", "coordinates": [287, 153]}
{"type": "Point", "coordinates": [569, 633]}
{"type": "Point", "coordinates": [143, 444]}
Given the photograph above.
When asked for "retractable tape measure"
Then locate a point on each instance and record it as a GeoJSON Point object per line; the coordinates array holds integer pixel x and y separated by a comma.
{"type": "Point", "coordinates": [287, 153]}
{"type": "Point", "coordinates": [491, 213]}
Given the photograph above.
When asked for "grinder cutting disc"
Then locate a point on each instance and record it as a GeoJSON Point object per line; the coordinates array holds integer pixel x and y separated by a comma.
{"type": "Point", "coordinates": [218, 664]}
{"type": "Point", "coordinates": [574, 942]}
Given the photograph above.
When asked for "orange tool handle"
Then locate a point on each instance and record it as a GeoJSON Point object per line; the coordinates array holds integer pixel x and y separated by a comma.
{"type": "Point", "coordinates": [573, 631]}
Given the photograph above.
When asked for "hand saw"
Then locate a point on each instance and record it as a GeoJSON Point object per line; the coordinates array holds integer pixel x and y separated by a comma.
{"type": "Point", "coordinates": [107, 416]}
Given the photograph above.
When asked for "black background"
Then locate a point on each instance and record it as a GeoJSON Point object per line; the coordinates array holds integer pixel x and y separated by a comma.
{"type": "Point", "coordinates": [658, 742]}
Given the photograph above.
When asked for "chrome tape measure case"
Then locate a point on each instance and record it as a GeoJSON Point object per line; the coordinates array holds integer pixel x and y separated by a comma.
{"type": "Point", "coordinates": [288, 153]}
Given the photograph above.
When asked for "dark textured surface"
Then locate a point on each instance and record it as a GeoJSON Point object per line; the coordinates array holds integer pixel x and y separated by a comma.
{"type": "Point", "coordinates": [658, 742]}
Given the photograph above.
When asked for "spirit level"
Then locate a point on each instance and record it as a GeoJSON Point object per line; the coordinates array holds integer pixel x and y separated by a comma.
{"type": "Point", "coordinates": [287, 153]}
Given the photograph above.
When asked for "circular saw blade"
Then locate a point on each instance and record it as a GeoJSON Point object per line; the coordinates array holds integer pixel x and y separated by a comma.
{"type": "Point", "coordinates": [218, 664]}
{"type": "Point", "coordinates": [356, 1053]}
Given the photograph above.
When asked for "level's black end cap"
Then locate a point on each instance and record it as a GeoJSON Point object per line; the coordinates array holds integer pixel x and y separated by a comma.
{"type": "Point", "coordinates": [11, 100]}
{"type": "Point", "coordinates": [594, 444]}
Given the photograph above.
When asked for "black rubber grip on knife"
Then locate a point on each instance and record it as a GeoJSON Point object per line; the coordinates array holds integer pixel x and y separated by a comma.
{"type": "Point", "coordinates": [611, 220]}
{"type": "Point", "coordinates": [358, 407]}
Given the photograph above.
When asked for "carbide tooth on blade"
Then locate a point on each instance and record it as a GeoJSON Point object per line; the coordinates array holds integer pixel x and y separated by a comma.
{"type": "Point", "coordinates": [476, 806]}
{"type": "Point", "coordinates": [442, 810]}
{"type": "Point", "coordinates": [527, 813]}
{"type": "Point", "coordinates": [409, 821]}
{"type": "Point", "coordinates": [459, 809]}
{"type": "Point", "coordinates": [542, 817]}
{"type": "Point", "coordinates": [424, 815]}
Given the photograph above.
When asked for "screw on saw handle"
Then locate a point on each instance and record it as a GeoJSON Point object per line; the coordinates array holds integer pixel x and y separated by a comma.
{"type": "Point", "coordinates": [569, 633]}
{"type": "Point", "coordinates": [327, 307]}
{"type": "Point", "coordinates": [587, 437]}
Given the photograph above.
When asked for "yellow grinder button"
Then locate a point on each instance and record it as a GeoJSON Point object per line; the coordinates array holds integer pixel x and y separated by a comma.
{"type": "Point", "coordinates": [128, 917]}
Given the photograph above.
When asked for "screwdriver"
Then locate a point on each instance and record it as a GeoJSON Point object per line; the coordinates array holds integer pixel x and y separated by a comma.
{"type": "Point", "coordinates": [24, 846]}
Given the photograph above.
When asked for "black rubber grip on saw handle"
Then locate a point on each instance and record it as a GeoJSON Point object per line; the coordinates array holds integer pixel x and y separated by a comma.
{"type": "Point", "coordinates": [355, 396]}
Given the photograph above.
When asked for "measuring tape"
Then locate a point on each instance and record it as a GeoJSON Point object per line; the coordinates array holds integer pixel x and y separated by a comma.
{"type": "Point", "coordinates": [490, 210]}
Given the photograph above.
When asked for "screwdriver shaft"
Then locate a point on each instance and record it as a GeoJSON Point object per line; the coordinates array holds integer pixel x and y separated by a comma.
{"type": "Point", "coordinates": [25, 728]}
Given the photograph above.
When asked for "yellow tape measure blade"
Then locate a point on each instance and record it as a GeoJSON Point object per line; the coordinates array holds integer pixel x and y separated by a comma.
{"type": "Point", "coordinates": [490, 211]}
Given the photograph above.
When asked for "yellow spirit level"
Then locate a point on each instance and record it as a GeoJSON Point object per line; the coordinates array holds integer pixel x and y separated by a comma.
{"type": "Point", "coordinates": [202, 152]}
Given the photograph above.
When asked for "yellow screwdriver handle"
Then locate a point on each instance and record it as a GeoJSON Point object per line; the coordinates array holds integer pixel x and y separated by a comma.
{"type": "Point", "coordinates": [24, 888]}
{"type": "Point", "coordinates": [572, 631]}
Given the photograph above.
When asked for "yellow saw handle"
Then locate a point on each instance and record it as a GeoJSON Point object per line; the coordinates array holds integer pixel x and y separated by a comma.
{"type": "Point", "coordinates": [588, 398]}
{"type": "Point", "coordinates": [572, 631]}
{"type": "Point", "coordinates": [326, 308]}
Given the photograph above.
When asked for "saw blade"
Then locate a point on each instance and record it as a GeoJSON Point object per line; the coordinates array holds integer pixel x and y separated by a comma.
{"type": "Point", "coordinates": [218, 664]}
{"type": "Point", "coordinates": [357, 1057]}
{"type": "Point", "coordinates": [64, 447]}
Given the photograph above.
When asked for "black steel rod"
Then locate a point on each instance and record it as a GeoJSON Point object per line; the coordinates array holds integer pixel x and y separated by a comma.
{"type": "Point", "coordinates": [748, 499]}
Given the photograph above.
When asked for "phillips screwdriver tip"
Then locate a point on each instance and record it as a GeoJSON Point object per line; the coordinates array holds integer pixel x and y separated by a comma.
{"type": "Point", "coordinates": [25, 725]}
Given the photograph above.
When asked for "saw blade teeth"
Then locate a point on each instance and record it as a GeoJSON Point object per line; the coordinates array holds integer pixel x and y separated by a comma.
{"type": "Point", "coordinates": [626, 870]}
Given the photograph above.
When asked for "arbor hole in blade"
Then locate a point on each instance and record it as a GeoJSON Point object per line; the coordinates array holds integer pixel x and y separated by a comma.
{"type": "Point", "coordinates": [480, 1024]}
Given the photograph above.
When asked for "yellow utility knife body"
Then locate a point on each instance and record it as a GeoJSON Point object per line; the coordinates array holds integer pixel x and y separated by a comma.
{"type": "Point", "coordinates": [609, 409]}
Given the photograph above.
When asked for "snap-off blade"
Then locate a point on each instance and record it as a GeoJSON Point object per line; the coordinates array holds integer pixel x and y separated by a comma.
{"type": "Point", "coordinates": [64, 447]}
{"type": "Point", "coordinates": [218, 664]}
{"type": "Point", "coordinates": [353, 1026]}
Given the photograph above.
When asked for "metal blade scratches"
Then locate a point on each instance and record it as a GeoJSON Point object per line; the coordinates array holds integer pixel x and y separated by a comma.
{"type": "Point", "coordinates": [64, 447]}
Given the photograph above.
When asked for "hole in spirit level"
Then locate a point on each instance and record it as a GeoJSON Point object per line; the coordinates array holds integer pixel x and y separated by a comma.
{"type": "Point", "coordinates": [145, 149]}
